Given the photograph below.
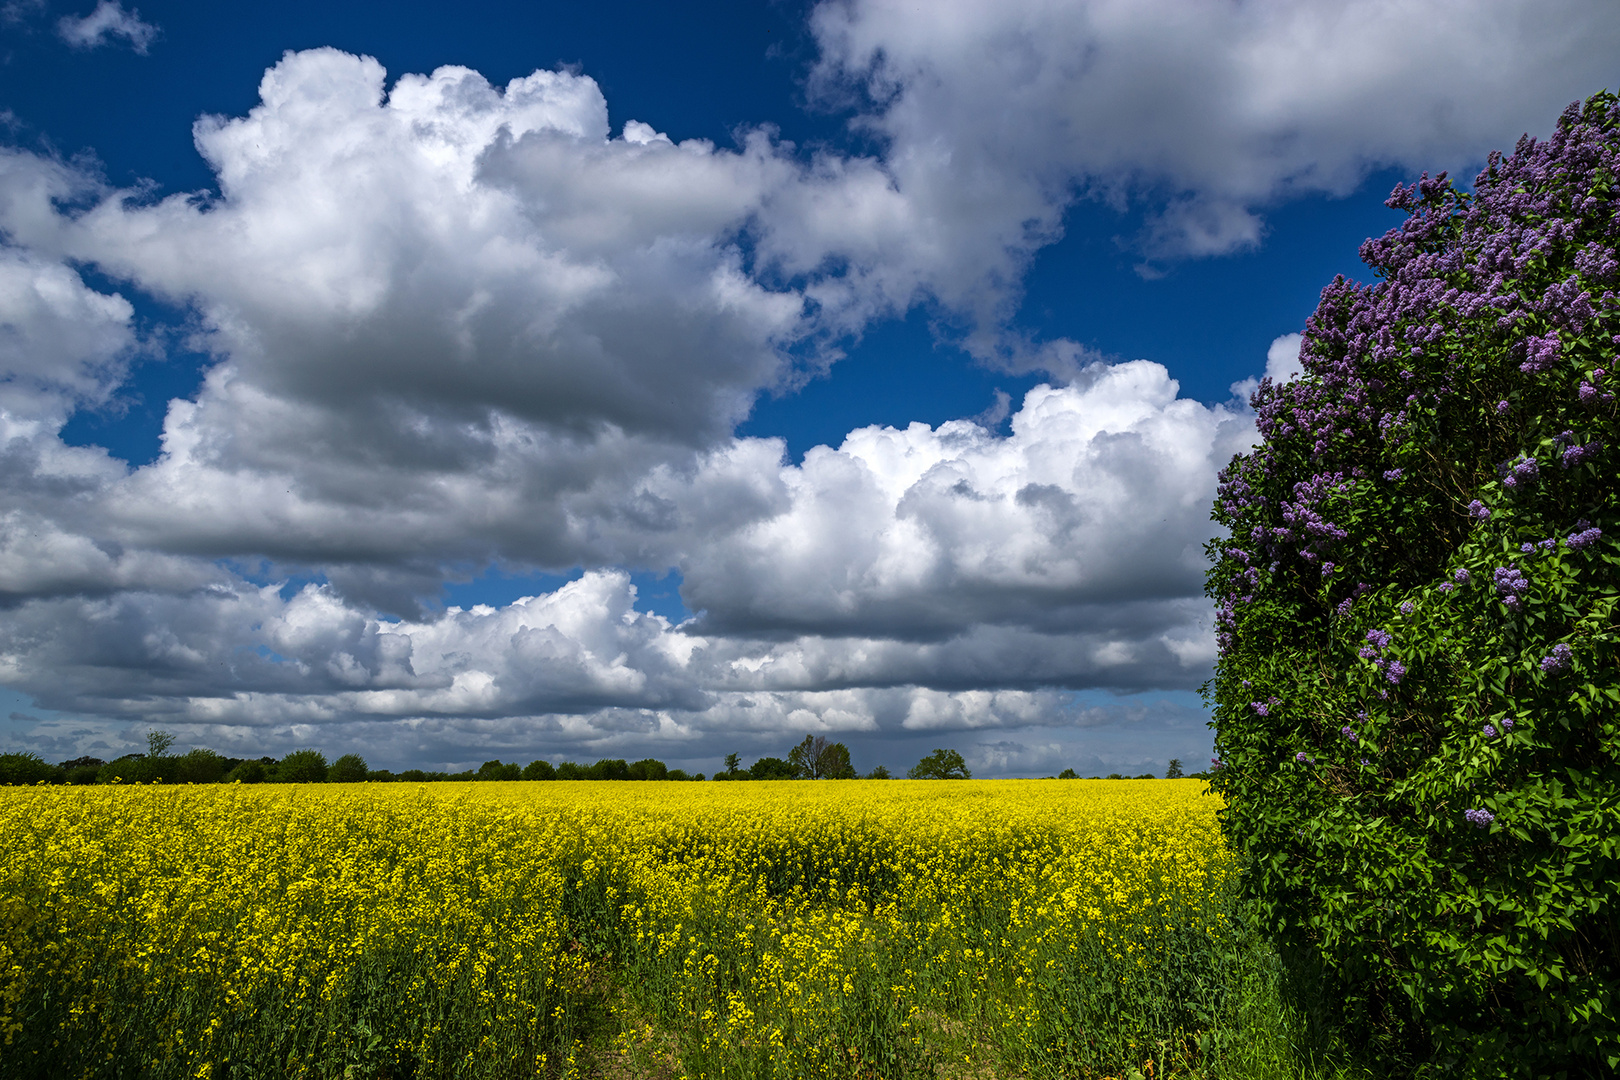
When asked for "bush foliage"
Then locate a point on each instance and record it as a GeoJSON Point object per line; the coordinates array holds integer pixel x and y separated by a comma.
{"type": "Point", "coordinates": [1417, 700]}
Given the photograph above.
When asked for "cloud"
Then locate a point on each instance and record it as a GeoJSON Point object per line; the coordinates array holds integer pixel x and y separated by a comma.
{"type": "Point", "coordinates": [1096, 504]}
{"type": "Point", "coordinates": [909, 582]}
{"type": "Point", "coordinates": [578, 672]}
{"type": "Point", "coordinates": [109, 20]}
{"type": "Point", "coordinates": [62, 344]}
{"type": "Point", "coordinates": [996, 115]}
{"type": "Point", "coordinates": [459, 325]}
{"type": "Point", "coordinates": [1282, 358]}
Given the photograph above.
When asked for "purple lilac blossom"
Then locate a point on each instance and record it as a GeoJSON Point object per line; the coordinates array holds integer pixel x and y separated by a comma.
{"type": "Point", "coordinates": [1462, 576]}
{"type": "Point", "coordinates": [1394, 671]}
{"type": "Point", "coordinates": [1507, 724]}
{"type": "Point", "coordinates": [1585, 537]}
{"type": "Point", "coordinates": [1489, 731]}
{"type": "Point", "coordinates": [1457, 270]}
{"type": "Point", "coordinates": [1557, 660]}
{"type": "Point", "coordinates": [1527, 547]}
{"type": "Point", "coordinates": [1523, 469]}
{"type": "Point", "coordinates": [1406, 607]}
{"type": "Point", "coordinates": [1540, 353]}
{"type": "Point", "coordinates": [1393, 474]}
{"type": "Point", "coordinates": [1510, 586]}
{"type": "Point", "coordinates": [1305, 759]}
{"type": "Point", "coordinates": [1446, 586]}
{"type": "Point", "coordinates": [1479, 818]}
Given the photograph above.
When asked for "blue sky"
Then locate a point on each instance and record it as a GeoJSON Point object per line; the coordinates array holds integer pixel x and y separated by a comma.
{"type": "Point", "coordinates": [626, 380]}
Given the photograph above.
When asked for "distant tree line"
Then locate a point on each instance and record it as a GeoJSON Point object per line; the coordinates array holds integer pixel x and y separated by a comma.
{"type": "Point", "coordinates": [813, 759]}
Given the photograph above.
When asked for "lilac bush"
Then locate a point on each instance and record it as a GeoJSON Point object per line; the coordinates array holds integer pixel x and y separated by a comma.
{"type": "Point", "coordinates": [1453, 424]}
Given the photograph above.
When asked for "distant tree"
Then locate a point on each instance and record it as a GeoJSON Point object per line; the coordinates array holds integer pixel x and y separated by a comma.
{"type": "Point", "coordinates": [497, 770]}
{"type": "Point", "coordinates": [158, 743]}
{"type": "Point", "coordinates": [199, 766]}
{"type": "Point", "coordinates": [941, 765]}
{"type": "Point", "coordinates": [1068, 774]}
{"type": "Point", "coordinates": [29, 768]}
{"type": "Point", "coordinates": [248, 772]}
{"type": "Point", "coordinates": [302, 767]}
{"type": "Point", "coordinates": [568, 770]}
{"type": "Point", "coordinates": [733, 764]}
{"type": "Point", "coordinates": [1145, 776]}
{"type": "Point", "coordinates": [818, 759]}
{"type": "Point", "coordinates": [137, 769]}
{"type": "Point", "coordinates": [609, 769]}
{"type": "Point", "coordinates": [771, 768]}
{"type": "Point", "coordinates": [348, 769]}
{"type": "Point", "coordinates": [83, 774]}
{"type": "Point", "coordinates": [648, 769]}
{"type": "Point", "coordinates": [1174, 771]}
{"type": "Point", "coordinates": [380, 776]}
{"type": "Point", "coordinates": [414, 776]}
{"type": "Point", "coordinates": [833, 763]}
{"type": "Point", "coordinates": [804, 757]}
{"type": "Point", "coordinates": [1115, 776]}
{"type": "Point", "coordinates": [539, 769]}
{"type": "Point", "coordinates": [879, 772]}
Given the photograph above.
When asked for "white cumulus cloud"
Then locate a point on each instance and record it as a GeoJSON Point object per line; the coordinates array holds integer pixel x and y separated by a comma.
{"type": "Point", "coordinates": [996, 114]}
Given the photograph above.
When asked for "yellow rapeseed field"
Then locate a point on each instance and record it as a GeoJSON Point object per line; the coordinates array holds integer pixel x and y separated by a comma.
{"type": "Point", "coordinates": [789, 929]}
